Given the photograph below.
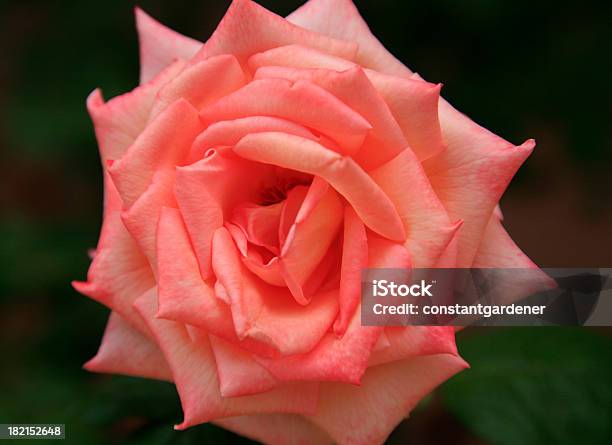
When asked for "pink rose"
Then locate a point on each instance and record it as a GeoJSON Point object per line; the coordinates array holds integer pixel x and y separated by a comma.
{"type": "Point", "coordinates": [248, 181]}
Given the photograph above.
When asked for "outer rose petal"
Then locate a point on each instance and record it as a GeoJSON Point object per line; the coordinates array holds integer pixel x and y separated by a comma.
{"type": "Point", "coordinates": [194, 372]}
{"type": "Point", "coordinates": [160, 46]}
{"type": "Point", "coordinates": [340, 19]}
{"type": "Point", "coordinates": [141, 218]}
{"type": "Point", "coordinates": [239, 374]}
{"type": "Point", "coordinates": [413, 341]}
{"type": "Point", "coordinates": [194, 83]}
{"type": "Point", "coordinates": [425, 219]}
{"type": "Point", "coordinates": [119, 272]}
{"type": "Point", "coordinates": [119, 121]}
{"type": "Point", "coordinates": [497, 250]}
{"type": "Point", "coordinates": [248, 28]}
{"type": "Point", "coordinates": [125, 350]}
{"type": "Point", "coordinates": [470, 187]}
{"type": "Point", "coordinates": [276, 429]}
{"type": "Point", "coordinates": [414, 104]}
{"type": "Point", "coordinates": [471, 174]}
{"type": "Point", "coordinates": [164, 144]}
{"type": "Point", "coordinates": [145, 174]}
{"type": "Point", "coordinates": [366, 414]}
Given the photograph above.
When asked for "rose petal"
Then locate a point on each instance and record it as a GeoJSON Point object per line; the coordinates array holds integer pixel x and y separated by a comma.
{"type": "Point", "coordinates": [160, 46]}
{"type": "Point", "coordinates": [414, 105]}
{"type": "Point", "coordinates": [268, 269]}
{"type": "Point", "coordinates": [412, 341]}
{"type": "Point", "coordinates": [300, 102]}
{"type": "Point", "coordinates": [276, 429]}
{"type": "Point", "coordinates": [239, 237]}
{"type": "Point", "coordinates": [498, 250]}
{"type": "Point", "coordinates": [295, 202]}
{"type": "Point", "coordinates": [239, 375]}
{"type": "Point", "coordinates": [144, 176]}
{"type": "Point", "coordinates": [385, 254]}
{"type": "Point", "coordinates": [228, 133]}
{"type": "Point", "coordinates": [202, 84]}
{"type": "Point", "coordinates": [260, 223]}
{"type": "Point", "coordinates": [182, 294]}
{"type": "Point", "coordinates": [309, 238]}
{"type": "Point", "coordinates": [354, 260]}
{"type": "Point", "coordinates": [448, 258]}
{"type": "Point", "coordinates": [142, 217]}
{"type": "Point", "coordinates": [369, 201]}
{"type": "Point", "coordinates": [296, 56]}
{"type": "Point", "coordinates": [120, 121]}
{"type": "Point", "coordinates": [195, 375]}
{"type": "Point", "coordinates": [119, 272]}
{"type": "Point", "coordinates": [471, 175]}
{"type": "Point", "coordinates": [208, 190]}
{"type": "Point", "coordinates": [125, 350]}
{"type": "Point", "coordinates": [425, 219]}
{"type": "Point", "coordinates": [385, 140]}
{"type": "Point", "coordinates": [269, 313]}
{"type": "Point", "coordinates": [519, 276]}
{"type": "Point", "coordinates": [343, 359]}
{"type": "Point", "coordinates": [248, 28]}
{"type": "Point", "coordinates": [366, 414]}
{"type": "Point", "coordinates": [341, 19]}
{"type": "Point", "coordinates": [163, 144]}
{"type": "Point", "coordinates": [336, 359]}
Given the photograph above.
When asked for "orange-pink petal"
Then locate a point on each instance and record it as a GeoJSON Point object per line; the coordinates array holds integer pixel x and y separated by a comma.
{"type": "Point", "coordinates": [341, 19]}
{"type": "Point", "coordinates": [160, 46]}
{"type": "Point", "coordinates": [372, 205]}
{"type": "Point", "coordinates": [127, 351]}
{"type": "Point", "coordinates": [301, 102]}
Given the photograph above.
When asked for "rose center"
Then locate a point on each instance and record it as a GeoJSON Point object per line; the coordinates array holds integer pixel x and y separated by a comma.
{"type": "Point", "coordinates": [279, 190]}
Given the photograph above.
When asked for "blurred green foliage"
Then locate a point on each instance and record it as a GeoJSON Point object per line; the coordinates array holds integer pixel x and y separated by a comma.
{"type": "Point", "coordinates": [535, 386]}
{"type": "Point", "coordinates": [522, 68]}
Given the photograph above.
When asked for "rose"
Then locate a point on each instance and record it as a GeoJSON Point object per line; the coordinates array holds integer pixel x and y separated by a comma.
{"type": "Point", "coordinates": [248, 181]}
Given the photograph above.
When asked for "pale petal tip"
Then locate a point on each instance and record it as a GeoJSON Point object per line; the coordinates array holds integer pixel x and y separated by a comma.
{"type": "Point", "coordinates": [81, 286]}
{"type": "Point", "coordinates": [140, 15]}
{"type": "Point", "coordinates": [463, 364]}
{"type": "Point", "coordinates": [90, 365]}
{"type": "Point", "coordinates": [529, 144]}
{"type": "Point", "coordinates": [94, 99]}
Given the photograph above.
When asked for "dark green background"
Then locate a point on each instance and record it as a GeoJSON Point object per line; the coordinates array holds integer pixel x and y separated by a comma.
{"type": "Point", "coordinates": [521, 68]}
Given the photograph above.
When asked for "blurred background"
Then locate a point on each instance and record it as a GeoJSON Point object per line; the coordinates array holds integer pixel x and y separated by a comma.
{"type": "Point", "coordinates": [521, 68]}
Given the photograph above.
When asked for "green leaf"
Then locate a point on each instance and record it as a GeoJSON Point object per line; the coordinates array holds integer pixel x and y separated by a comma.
{"type": "Point", "coordinates": [535, 386]}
